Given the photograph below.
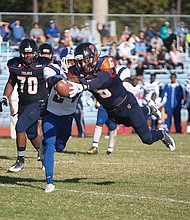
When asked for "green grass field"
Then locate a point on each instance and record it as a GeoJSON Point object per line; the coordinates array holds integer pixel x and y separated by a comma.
{"type": "Point", "coordinates": [136, 181]}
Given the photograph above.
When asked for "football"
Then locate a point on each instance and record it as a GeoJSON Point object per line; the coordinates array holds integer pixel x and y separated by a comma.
{"type": "Point", "coordinates": [62, 88]}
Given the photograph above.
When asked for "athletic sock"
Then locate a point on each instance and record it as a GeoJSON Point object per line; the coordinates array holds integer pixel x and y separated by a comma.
{"type": "Point", "coordinates": [97, 135]}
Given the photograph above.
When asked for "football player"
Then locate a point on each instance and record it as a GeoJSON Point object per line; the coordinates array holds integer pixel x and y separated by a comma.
{"type": "Point", "coordinates": [57, 121]}
{"type": "Point", "coordinates": [27, 72]}
{"type": "Point", "coordinates": [99, 77]}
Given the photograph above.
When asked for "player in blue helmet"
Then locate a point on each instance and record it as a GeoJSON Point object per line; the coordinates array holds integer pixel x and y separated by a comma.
{"type": "Point", "coordinates": [57, 121]}
{"type": "Point", "coordinates": [121, 105]}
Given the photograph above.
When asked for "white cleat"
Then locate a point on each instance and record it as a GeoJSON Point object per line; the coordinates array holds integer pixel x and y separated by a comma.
{"type": "Point", "coordinates": [168, 141]}
{"type": "Point", "coordinates": [153, 110]}
{"type": "Point", "coordinates": [49, 188]}
{"type": "Point", "coordinates": [16, 167]}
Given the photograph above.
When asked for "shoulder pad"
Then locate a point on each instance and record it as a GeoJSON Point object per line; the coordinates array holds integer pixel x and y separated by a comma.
{"type": "Point", "coordinates": [15, 62]}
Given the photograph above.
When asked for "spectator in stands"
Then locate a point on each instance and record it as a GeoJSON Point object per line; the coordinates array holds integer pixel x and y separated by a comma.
{"type": "Point", "coordinates": [114, 51]}
{"type": "Point", "coordinates": [75, 33]}
{"type": "Point", "coordinates": [104, 33]}
{"type": "Point", "coordinates": [187, 101]}
{"type": "Point", "coordinates": [17, 31]}
{"type": "Point", "coordinates": [172, 96]}
{"type": "Point", "coordinates": [150, 31]}
{"type": "Point", "coordinates": [140, 70]}
{"type": "Point", "coordinates": [142, 36]}
{"type": "Point", "coordinates": [86, 34]}
{"type": "Point", "coordinates": [163, 58]}
{"type": "Point", "coordinates": [66, 39]}
{"type": "Point", "coordinates": [152, 59]}
{"type": "Point", "coordinates": [37, 33]}
{"type": "Point", "coordinates": [180, 33]}
{"type": "Point", "coordinates": [157, 40]}
{"type": "Point", "coordinates": [167, 36]}
{"type": "Point", "coordinates": [79, 118]}
{"type": "Point", "coordinates": [126, 30]}
{"type": "Point", "coordinates": [5, 33]}
{"type": "Point", "coordinates": [176, 59]}
{"type": "Point", "coordinates": [124, 37]}
{"type": "Point", "coordinates": [141, 50]}
{"type": "Point", "coordinates": [125, 49]}
{"type": "Point", "coordinates": [53, 34]}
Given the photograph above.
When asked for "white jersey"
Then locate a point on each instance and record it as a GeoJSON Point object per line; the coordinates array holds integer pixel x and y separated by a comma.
{"type": "Point", "coordinates": [187, 91]}
{"type": "Point", "coordinates": [137, 92]}
{"type": "Point", "coordinates": [56, 105]}
{"type": "Point", "coordinates": [151, 88]}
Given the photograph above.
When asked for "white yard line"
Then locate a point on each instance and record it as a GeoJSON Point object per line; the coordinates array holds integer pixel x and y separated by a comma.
{"type": "Point", "coordinates": [110, 194]}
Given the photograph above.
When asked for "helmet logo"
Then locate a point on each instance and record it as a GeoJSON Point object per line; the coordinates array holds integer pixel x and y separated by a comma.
{"type": "Point", "coordinates": [91, 46]}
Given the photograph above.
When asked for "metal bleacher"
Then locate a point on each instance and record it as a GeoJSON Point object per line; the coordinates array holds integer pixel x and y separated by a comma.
{"type": "Point", "coordinates": [7, 52]}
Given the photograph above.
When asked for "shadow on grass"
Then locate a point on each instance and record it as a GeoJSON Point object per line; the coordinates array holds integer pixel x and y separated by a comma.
{"type": "Point", "coordinates": [77, 180]}
{"type": "Point", "coordinates": [5, 157]}
{"type": "Point", "coordinates": [73, 152]}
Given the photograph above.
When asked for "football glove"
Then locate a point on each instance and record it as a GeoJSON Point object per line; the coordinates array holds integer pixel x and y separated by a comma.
{"type": "Point", "coordinates": [3, 102]}
{"type": "Point", "coordinates": [76, 88]}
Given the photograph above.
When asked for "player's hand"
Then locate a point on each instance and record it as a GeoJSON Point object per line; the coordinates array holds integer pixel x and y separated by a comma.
{"type": "Point", "coordinates": [75, 89]}
{"type": "Point", "coordinates": [3, 102]}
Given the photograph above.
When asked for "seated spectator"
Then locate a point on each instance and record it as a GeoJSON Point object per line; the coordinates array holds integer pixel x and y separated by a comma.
{"type": "Point", "coordinates": [114, 51]}
{"type": "Point", "coordinates": [176, 59]}
{"type": "Point", "coordinates": [133, 39]}
{"type": "Point", "coordinates": [152, 59]}
{"type": "Point", "coordinates": [37, 33]}
{"type": "Point", "coordinates": [167, 36]}
{"type": "Point", "coordinates": [142, 36]}
{"type": "Point", "coordinates": [53, 34]}
{"type": "Point", "coordinates": [150, 31]}
{"type": "Point", "coordinates": [126, 30]}
{"type": "Point", "coordinates": [125, 49]}
{"type": "Point", "coordinates": [17, 31]}
{"type": "Point", "coordinates": [5, 33]}
{"type": "Point", "coordinates": [180, 33]}
{"type": "Point", "coordinates": [75, 34]}
{"type": "Point", "coordinates": [158, 40]}
{"type": "Point", "coordinates": [163, 58]}
{"type": "Point", "coordinates": [124, 37]}
{"type": "Point", "coordinates": [141, 50]}
{"type": "Point", "coordinates": [66, 39]}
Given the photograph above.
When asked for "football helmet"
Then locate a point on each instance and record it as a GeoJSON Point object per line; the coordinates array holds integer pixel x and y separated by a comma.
{"type": "Point", "coordinates": [46, 50]}
{"type": "Point", "coordinates": [86, 57]}
{"type": "Point", "coordinates": [67, 58]}
{"type": "Point", "coordinates": [28, 50]}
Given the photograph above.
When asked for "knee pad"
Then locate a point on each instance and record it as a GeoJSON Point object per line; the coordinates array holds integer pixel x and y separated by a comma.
{"type": "Point", "coordinates": [147, 139]}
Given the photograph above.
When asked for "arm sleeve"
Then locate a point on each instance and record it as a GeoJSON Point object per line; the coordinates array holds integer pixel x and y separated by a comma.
{"type": "Point", "coordinates": [103, 78]}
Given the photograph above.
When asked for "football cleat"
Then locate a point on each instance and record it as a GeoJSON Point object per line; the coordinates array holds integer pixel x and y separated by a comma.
{"type": "Point", "coordinates": [168, 141]}
{"type": "Point", "coordinates": [49, 188]}
{"type": "Point", "coordinates": [153, 110]}
{"type": "Point", "coordinates": [93, 150]}
{"type": "Point", "coordinates": [109, 151]}
{"type": "Point", "coordinates": [18, 166]}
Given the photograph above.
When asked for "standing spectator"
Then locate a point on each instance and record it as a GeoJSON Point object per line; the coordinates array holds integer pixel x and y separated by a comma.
{"type": "Point", "coordinates": [53, 34]}
{"type": "Point", "coordinates": [187, 101]}
{"type": "Point", "coordinates": [37, 33]}
{"type": "Point", "coordinates": [104, 34]}
{"type": "Point", "coordinates": [17, 31]}
{"type": "Point", "coordinates": [5, 33]}
{"type": "Point", "coordinates": [172, 96]}
{"type": "Point", "coordinates": [180, 33]}
{"type": "Point", "coordinates": [79, 118]}
{"type": "Point", "coordinates": [167, 36]}
{"type": "Point", "coordinates": [75, 34]}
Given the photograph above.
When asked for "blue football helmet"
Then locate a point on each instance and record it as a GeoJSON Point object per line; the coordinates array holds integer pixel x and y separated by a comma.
{"type": "Point", "coordinates": [67, 58]}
